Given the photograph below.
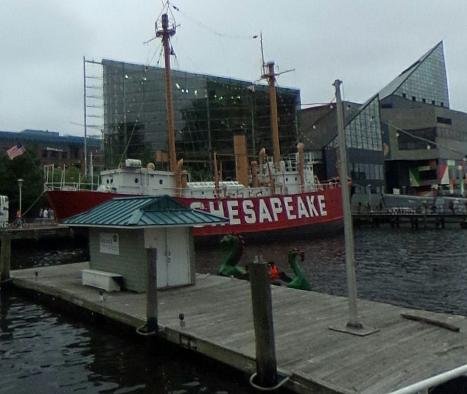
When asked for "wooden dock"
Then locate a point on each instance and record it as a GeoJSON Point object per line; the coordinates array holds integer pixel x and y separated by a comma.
{"type": "Point", "coordinates": [35, 231]}
{"type": "Point", "coordinates": [412, 219]}
{"type": "Point", "coordinates": [218, 323]}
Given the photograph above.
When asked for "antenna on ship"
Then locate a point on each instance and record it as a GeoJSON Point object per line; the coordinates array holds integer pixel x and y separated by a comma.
{"type": "Point", "coordinates": [165, 33]}
{"type": "Point", "coordinates": [263, 71]}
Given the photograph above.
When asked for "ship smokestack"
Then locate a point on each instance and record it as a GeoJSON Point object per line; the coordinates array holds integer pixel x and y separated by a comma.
{"type": "Point", "coordinates": [241, 158]}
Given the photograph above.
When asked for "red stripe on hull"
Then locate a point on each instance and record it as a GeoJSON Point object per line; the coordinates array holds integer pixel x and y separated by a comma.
{"type": "Point", "coordinates": [247, 215]}
{"type": "Point", "coordinates": [66, 203]}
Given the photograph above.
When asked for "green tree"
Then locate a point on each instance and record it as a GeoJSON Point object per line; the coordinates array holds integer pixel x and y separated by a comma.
{"type": "Point", "coordinates": [26, 167]}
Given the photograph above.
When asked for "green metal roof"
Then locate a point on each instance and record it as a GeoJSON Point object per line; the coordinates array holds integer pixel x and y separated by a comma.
{"type": "Point", "coordinates": [134, 212]}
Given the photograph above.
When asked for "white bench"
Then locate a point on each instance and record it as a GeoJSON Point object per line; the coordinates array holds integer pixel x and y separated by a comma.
{"type": "Point", "coordinates": [107, 281]}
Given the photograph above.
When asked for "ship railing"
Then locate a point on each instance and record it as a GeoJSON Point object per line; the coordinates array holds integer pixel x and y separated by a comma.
{"type": "Point", "coordinates": [51, 173]}
{"type": "Point", "coordinates": [331, 184]}
{"type": "Point", "coordinates": [242, 192]}
{"type": "Point", "coordinates": [424, 386]}
{"type": "Point", "coordinates": [69, 186]}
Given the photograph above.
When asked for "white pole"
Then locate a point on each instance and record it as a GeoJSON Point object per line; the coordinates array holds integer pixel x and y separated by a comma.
{"type": "Point", "coordinates": [20, 185]}
{"type": "Point", "coordinates": [91, 171]}
{"type": "Point", "coordinates": [85, 125]}
{"type": "Point", "coordinates": [433, 381]}
{"type": "Point", "coordinates": [348, 228]}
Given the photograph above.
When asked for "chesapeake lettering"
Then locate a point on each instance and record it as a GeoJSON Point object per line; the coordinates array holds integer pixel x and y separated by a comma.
{"type": "Point", "coordinates": [265, 210]}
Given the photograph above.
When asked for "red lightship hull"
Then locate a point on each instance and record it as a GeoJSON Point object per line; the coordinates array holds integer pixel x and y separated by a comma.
{"type": "Point", "coordinates": [253, 215]}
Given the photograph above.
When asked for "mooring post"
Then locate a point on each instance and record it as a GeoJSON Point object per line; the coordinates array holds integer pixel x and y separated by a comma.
{"type": "Point", "coordinates": [266, 365]}
{"type": "Point", "coordinates": [151, 293]}
{"type": "Point", "coordinates": [5, 257]}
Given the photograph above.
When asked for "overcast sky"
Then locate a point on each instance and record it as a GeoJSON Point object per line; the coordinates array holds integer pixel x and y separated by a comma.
{"type": "Point", "coordinates": [366, 43]}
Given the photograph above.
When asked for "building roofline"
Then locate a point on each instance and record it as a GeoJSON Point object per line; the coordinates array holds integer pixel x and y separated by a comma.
{"type": "Point", "coordinates": [414, 66]}
{"type": "Point", "coordinates": [41, 138]}
{"type": "Point", "coordinates": [251, 82]}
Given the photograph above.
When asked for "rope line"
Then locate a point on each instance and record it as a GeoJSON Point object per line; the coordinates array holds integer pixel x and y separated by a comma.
{"type": "Point", "coordinates": [213, 31]}
{"type": "Point", "coordinates": [261, 388]}
{"type": "Point", "coordinates": [34, 203]}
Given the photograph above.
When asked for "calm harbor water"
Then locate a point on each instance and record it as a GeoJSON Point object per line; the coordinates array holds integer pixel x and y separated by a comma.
{"type": "Point", "coordinates": [426, 269]}
{"type": "Point", "coordinates": [42, 351]}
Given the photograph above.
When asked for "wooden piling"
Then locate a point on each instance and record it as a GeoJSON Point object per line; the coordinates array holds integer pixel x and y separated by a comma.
{"type": "Point", "coordinates": [266, 365]}
{"type": "Point", "coordinates": [151, 293]}
{"type": "Point", "coordinates": [5, 258]}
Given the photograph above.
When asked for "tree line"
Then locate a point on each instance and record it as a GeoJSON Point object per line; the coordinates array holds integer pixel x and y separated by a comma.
{"type": "Point", "coordinates": [29, 168]}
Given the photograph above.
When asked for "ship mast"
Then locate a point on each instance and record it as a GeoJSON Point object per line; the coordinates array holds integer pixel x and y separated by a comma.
{"type": "Point", "coordinates": [271, 78]}
{"type": "Point", "coordinates": [165, 33]}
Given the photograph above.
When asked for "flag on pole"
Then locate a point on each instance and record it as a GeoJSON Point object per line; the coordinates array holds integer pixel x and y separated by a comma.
{"type": "Point", "coordinates": [15, 151]}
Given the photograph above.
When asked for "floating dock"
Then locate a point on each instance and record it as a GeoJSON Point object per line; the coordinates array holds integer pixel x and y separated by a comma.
{"type": "Point", "coordinates": [412, 219]}
{"type": "Point", "coordinates": [218, 323]}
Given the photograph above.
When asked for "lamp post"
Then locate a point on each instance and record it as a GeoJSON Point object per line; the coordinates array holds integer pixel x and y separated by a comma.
{"type": "Point", "coordinates": [20, 186]}
{"type": "Point", "coordinates": [461, 175]}
{"type": "Point", "coordinates": [368, 191]}
{"type": "Point", "coordinates": [354, 326]}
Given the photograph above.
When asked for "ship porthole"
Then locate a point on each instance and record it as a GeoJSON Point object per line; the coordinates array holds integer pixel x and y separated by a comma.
{"type": "Point", "coordinates": [161, 181]}
{"type": "Point", "coordinates": [136, 180]}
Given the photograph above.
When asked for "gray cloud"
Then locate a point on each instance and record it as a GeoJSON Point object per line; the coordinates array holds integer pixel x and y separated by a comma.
{"type": "Point", "coordinates": [366, 43]}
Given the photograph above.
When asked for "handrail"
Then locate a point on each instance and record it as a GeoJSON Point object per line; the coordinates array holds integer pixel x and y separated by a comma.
{"type": "Point", "coordinates": [433, 381]}
{"type": "Point", "coordinates": [228, 190]}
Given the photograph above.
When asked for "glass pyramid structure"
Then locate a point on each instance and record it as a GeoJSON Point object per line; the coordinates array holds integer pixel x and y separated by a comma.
{"type": "Point", "coordinates": [424, 81]}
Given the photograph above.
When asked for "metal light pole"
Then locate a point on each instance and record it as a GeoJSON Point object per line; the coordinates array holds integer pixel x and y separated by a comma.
{"type": "Point", "coordinates": [20, 187]}
{"type": "Point", "coordinates": [85, 121]}
{"type": "Point", "coordinates": [464, 161]}
{"type": "Point", "coordinates": [353, 326]}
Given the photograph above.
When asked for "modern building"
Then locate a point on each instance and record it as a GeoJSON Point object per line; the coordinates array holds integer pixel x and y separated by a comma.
{"type": "Point", "coordinates": [425, 140]}
{"type": "Point", "coordinates": [208, 111]}
{"type": "Point", "coordinates": [52, 148]}
{"type": "Point", "coordinates": [405, 139]}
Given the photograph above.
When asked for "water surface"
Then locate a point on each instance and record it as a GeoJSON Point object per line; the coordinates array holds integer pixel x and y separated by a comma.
{"type": "Point", "coordinates": [44, 352]}
{"type": "Point", "coordinates": [424, 269]}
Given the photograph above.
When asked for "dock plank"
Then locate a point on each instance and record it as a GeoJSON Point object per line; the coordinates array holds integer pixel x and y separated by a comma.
{"type": "Point", "coordinates": [218, 323]}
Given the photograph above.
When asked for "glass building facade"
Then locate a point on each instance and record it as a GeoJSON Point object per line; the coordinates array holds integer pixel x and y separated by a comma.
{"type": "Point", "coordinates": [364, 131]}
{"type": "Point", "coordinates": [208, 111]}
{"type": "Point", "coordinates": [424, 81]}
{"type": "Point", "coordinates": [365, 159]}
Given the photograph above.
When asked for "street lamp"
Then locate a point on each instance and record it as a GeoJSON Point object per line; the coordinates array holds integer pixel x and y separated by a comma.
{"type": "Point", "coordinates": [20, 186]}
{"type": "Point", "coordinates": [368, 191]}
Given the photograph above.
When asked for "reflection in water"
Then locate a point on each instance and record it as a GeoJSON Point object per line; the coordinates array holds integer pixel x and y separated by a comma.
{"type": "Point", "coordinates": [424, 269]}
{"type": "Point", "coordinates": [42, 352]}
{"type": "Point", "coordinates": [48, 251]}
